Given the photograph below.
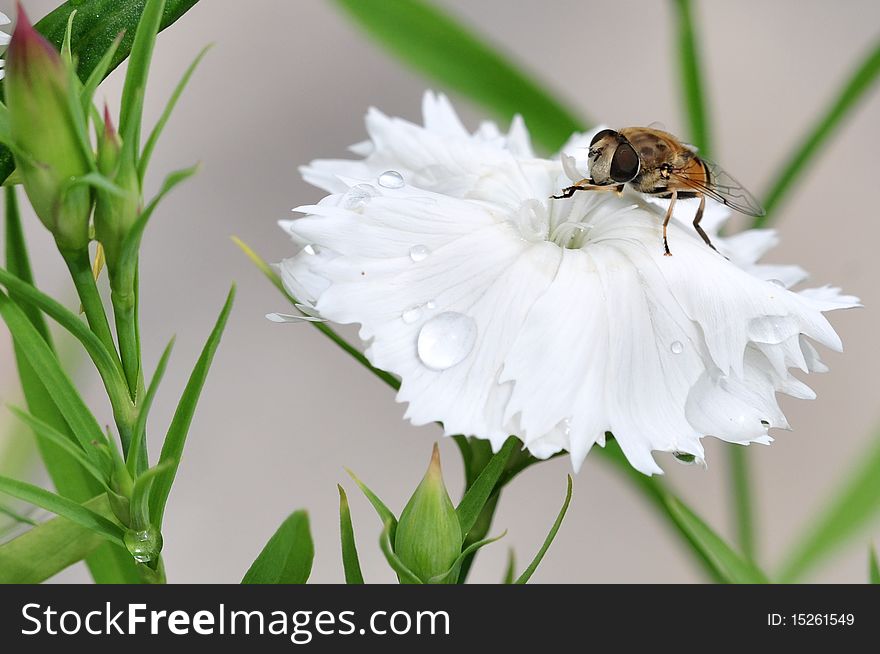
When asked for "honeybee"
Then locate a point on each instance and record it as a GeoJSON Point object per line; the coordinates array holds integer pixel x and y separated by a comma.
{"type": "Point", "coordinates": [656, 163]}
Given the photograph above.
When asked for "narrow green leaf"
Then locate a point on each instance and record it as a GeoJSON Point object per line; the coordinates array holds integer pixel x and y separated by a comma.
{"type": "Point", "coordinates": [18, 262]}
{"type": "Point", "coordinates": [405, 575]}
{"type": "Point", "coordinates": [47, 549]}
{"type": "Point", "coordinates": [692, 78]}
{"type": "Point", "coordinates": [855, 88]}
{"type": "Point", "coordinates": [481, 490]}
{"type": "Point", "coordinates": [731, 567]}
{"type": "Point", "coordinates": [62, 506]}
{"type": "Point", "coordinates": [97, 76]}
{"type": "Point", "coordinates": [873, 567]}
{"type": "Point", "coordinates": [140, 427]}
{"type": "Point", "coordinates": [529, 571]}
{"type": "Point", "coordinates": [43, 430]}
{"type": "Point", "coordinates": [853, 505]}
{"type": "Point", "coordinates": [350, 562]}
{"type": "Point", "coordinates": [436, 44]}
{"type": "Point", "coordinates": [150, 145]}
{"type": "Point", "coordinates": [82, 423]}
{"type": "Point", "coordinates": [451, 576]}
{"type": "Point", "coordinates": [107, 365]}
{"type": "Point", "coordinates": [131, 113]}
{"type": "Point", "coordinates": [16, 516]}
{"type": "Point", "coordinates": [97, 25]}
{"type": "Point", "coordinates": [140, 494]}
{"type": "Point", "coordinates": [510, 571]}
{"type": "Point", "coordinates": [172, 448]}
{"type": "Point", "coordinates": [742, 500]}
{"type": "Point", "coordinates": [325, 329]}
{"type": "Point", "coordinates": [132, 242]}
{"type": "Point", "coordinates": [385, 514]}
{"type": "Point", "coordinates": [287, 557]}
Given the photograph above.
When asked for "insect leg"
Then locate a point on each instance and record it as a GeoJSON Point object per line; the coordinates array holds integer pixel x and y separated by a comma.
{"type": "Point", "coordinates": [697, 220]}
{"type": "Point", "coordinates": [666, 252]}
{"type": "Point", "coordinates": [586, 185]}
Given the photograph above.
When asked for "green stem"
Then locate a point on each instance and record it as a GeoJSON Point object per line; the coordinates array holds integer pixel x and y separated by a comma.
{"type": "Point", "coordinates": [742, 501]}
{"type": "Point", "coordinates": [856, 86]}
{"type": "Point", "coordinates": [692, 78]}
{"type": "Point", "coordinates": [127, 334]}
{"type": "Point", "coordinates": [80, 266]}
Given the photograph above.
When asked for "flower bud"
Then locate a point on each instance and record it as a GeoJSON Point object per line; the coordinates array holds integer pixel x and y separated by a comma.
{"type": "Point", "coordinates": [428, 538]}
{"type": "Point", "coordinates": [49, 154]}
{"type": "Point", "coordinates": [115, 214]}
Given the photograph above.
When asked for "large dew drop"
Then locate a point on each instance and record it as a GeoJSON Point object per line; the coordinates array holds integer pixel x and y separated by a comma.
{"type": "Point", "coordinates": [446, 339]}
{"type": "Point", "coordinates": [391, 179]}
{"type": "Point", "coordinates": [419, 253]}
{"type": "Point", "coordinates": [144, 546]}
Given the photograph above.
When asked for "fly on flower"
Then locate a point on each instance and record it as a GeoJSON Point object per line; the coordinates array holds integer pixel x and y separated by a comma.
{"type": "Point", "coordinates": [503, 311]}
{"type": "Point", "coordinates": [656, 163]}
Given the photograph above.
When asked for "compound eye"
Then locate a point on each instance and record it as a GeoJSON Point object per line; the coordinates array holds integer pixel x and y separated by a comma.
{"type": "Point", "coordinates": [624, 164]}
{"type": "Point", "coordinates": [601, 135]}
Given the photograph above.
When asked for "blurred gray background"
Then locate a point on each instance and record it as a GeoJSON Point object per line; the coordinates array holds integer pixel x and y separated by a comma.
{"type": "Point", "coordinates": [284, 410]}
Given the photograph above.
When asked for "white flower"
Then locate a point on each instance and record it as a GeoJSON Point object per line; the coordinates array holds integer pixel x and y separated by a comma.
{"type": "Point", "coordinates": [4, 40]}
{"type": "Point", "coordinates": [503, 311]}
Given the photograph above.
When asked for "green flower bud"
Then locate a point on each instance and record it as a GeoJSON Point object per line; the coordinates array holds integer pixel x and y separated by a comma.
{"type": "Point", "coordinates": [115, 214]}
{"type": "Point", "coordinates": [428, 538]}
{"type": "Point", "coordinates": [49, 154]}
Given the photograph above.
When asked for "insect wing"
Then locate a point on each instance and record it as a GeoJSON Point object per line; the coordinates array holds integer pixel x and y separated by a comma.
{"type": "Point", "coordinates": [720, 186]}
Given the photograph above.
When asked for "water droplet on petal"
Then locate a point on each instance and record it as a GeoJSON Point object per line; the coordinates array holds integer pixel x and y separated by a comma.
{"type": "Point", "coordinates": [685, 458]}
{"type": "Point", "coordinates": [311, 249]}
{"type": "Point", "coordinates": [391, 179]}
{"type": "Point", "coordinates": [144, 545]}
{"type": "Point", "coordinates": [765, 423]}
{"type": "Point", "coordinates": [357, 197]}
{"type": "Point", "coordinates": [419, 253]}
{"type": "Point", "coordinates": [412, 314]}
{"type": "Point", "coordinates": [677, 347]}
{"type": "Point", "coordinates": [777, 282]}
{"type": "Point", "coordinates": [446, 340]}
{"type": "Point", "coordinates": [430, 304]}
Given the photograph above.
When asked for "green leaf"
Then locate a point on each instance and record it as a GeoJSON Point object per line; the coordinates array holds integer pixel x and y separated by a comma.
{"type": "Point", "coordinates": [510, 571]}
{"type": "Point", "coordinates": [855, 88]}
{"type": "Point", "coordinates": [350, 562]}
{"type": "Point", "coordinates": [853, 505]}
{"type": "Point", "coordinates": [873, 567]}
{"type": "Point", "coordinates": [172, 448]}
{"type": "Point", "coordinates": [140, 427]}
{"type": "Point", "coordinates": [731, 567]}
{"type": "Point", "coordinates": [97, 76]}
{"type": "Point", "coordinates": [436, 44]}
{"type": "Point", "coordinates": [43, 430]}
{"type": "Point", "coordinates": [16, 517]}
{"type": "Point", "coordinates": [529, 571]}
{"type": "Point", "coordinates": [62, 506]}
{"type": "Point", "coordinates": [44, 362]}
{"type": "Point", "coordinates": [140, 494]}
{"type": "Point", "coordinates": [325, 329]}
{"type": "Point", "coordinates": [451, 576]}
{"type": "Point", "coordinates": [384, 512]}
{"type": "Point", "coordinates": [18, 262]}
{"type": "Point", "coordinates": [98, 23]}
{"type": "Point", "coordinates": [49, 548]}
{"type": "Point", "coordinates": [131, 113]}
{"type": "Point", "coordinates": [106, 364]}
{"type": "Point", "coordinates": [481, 490]}
{"type": "Point", "coordinates": [150, 145]}
{"type": "Point", "coordinates": [692, 78]}
{"type": "Point", "coordinates": [405, 575]}
{"type": "Point", "coordinates": [742, 500]}
{"type": "Point", "coordinates": [287, 557]}
{"type": "Point", "coordinates": [132, 242]}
